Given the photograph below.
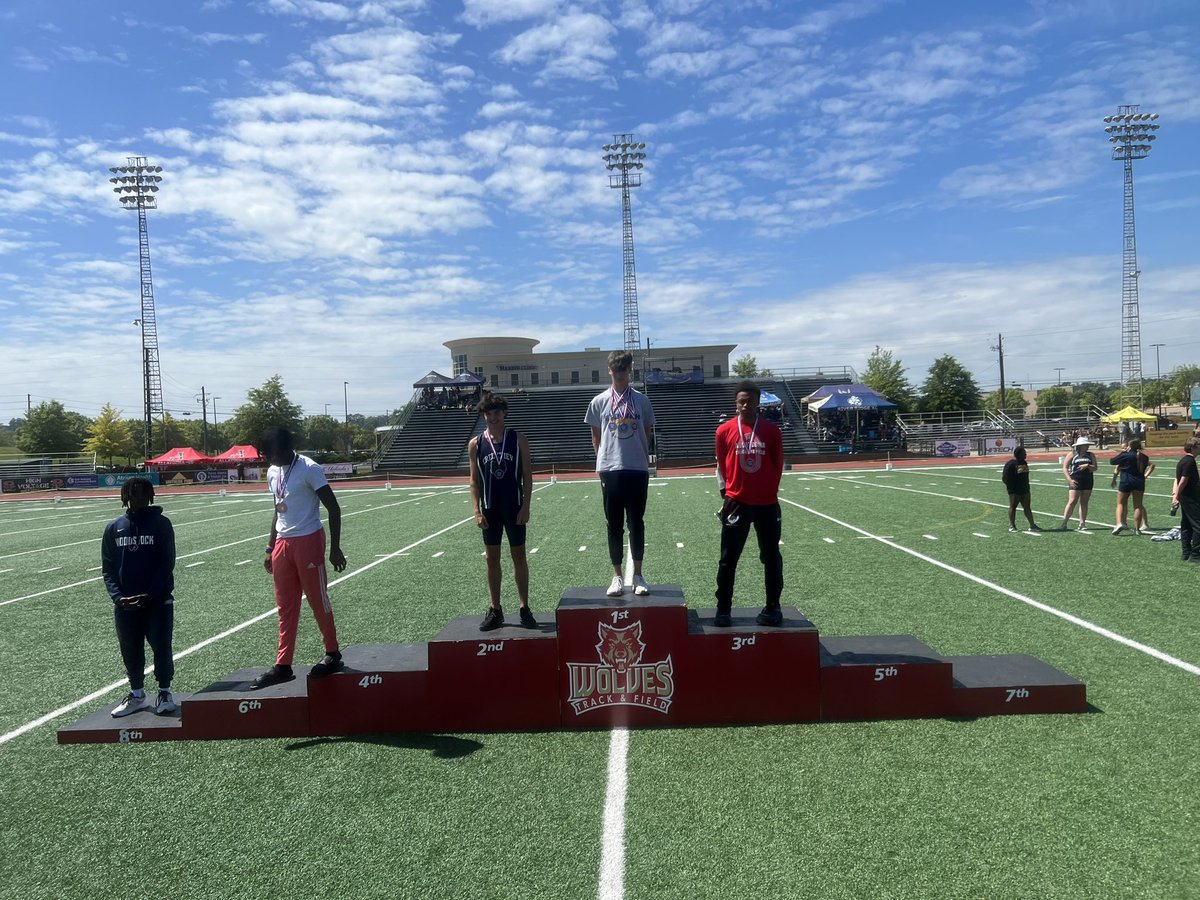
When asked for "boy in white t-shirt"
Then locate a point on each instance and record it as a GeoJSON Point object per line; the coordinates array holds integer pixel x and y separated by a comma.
{"type": "Point", "coordinates": [296, 553]}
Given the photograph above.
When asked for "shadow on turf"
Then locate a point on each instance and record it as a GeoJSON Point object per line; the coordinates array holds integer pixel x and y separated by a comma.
{"type": "Point", "coordinates": [441, 746]}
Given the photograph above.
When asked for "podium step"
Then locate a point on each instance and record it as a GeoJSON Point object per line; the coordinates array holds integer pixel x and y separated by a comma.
{"type": "Point", "coordinates": [100, 727]}
{"type": "Point", "coordinates": [883, 677]}
{"type": "Point", "coordinates": [618, 656]}
{"type": "Point", "coordinates": [749, 673]}
{"type": "Point", "coordinates": [1011, 684]}
{"type": "Point", "coordinates": [229, 709]}
{"type": "Point", "coordinates": [383, 688]}
{"type": "Point", "coordinates": [501, 680]}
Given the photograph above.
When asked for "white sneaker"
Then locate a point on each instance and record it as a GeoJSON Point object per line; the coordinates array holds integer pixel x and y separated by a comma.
{"type": "Point", "coordinates": [1119, 529]}
{"type": "Point", "coordinates": [131, 704]}
{"type": "Point", "coordinates": [639, 586]}
{"type": "Point", "coordinates": [617, 588]}
{"type": "Point", "coordinates": [164, 705]}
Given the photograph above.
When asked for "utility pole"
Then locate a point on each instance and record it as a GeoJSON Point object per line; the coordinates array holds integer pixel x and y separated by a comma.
{"type": "Point", "coordinates": [999, 348]}
{"type": "Point", "coordinates": [204, 421]}
{"type": "Point", "coordinates": [1059, 370]}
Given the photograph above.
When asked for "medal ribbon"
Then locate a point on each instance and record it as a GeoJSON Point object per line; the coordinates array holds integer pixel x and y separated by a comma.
{"type": "Point", "coordinates": [495, 461]}
{"type": "Point", "coordinates": [281, 487]}
{"type": "Point", "coordinates": [747, 438]}
{"type": "Point", "coordinates": [618, 404]}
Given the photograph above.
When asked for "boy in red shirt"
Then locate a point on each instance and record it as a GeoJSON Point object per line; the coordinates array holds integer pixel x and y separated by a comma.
{"type": "Point", "coordinates": [749, 466]}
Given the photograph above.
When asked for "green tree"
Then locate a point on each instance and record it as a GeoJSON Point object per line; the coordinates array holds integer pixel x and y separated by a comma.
{"type": "Point", "coordinates": [1182, 380]}
{"type": "Point", "coordinates": [746, 366]}
{"type": "Point", "coordinates": [169, 433]}
{"type": "Point", "coordinates": [323, 433]}
{"type": "Point", "coordinates": [1156, 393]}
{"type": "Point", "coordinates": [949, 387]}
{"type": "Point", "coordinates": [1054, 398]}
{"type": "Point", "coordinates": [265, 407]}
{"type": "Point", "coordinates": [49, 428]}
{"type": "Point", "coordinates": [1092, 393]}
{"type": "Point", "coordinates": [885, 375]}
{"type": "Point", "coordinates": [109, 436]}
{"type": "Point", "coordinates": [1015, 403]}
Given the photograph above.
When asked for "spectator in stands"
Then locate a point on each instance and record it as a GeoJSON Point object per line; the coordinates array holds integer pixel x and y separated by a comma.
{"type": "Point", "coordinates": [1015, 476]}
{"type": "Point", "coordinates": [501, 487]}
{"type": "Point", "coordinates": [1186, 496]}
{"type": "Point", "coordinates": [1131, 466]}
{"type": "Point", "coordinates": [622, 423]}
{"type": "Point", "coordinates": [1079, 467]}
{"type": "Point", "coordinates": [749, 452]}
{"type": "Point", "coordinates": [296, 553]}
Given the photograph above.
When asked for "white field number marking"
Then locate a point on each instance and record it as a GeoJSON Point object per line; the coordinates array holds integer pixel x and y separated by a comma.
{"type": "Point", "coordinates": [883, 672]}
{"type": "Point", "coordinates": [485, 649]}
{"type": "Point", "coordinates": [740, 642]}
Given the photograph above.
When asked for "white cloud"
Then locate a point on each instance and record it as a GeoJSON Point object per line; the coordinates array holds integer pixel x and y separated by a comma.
{"type": "Point", "coordinates": [577, 45]}
{"type": "Point", "coordinates": [482, 13]}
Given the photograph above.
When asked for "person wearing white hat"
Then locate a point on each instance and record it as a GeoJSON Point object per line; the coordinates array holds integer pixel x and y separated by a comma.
{"type": "Point", "coordinates": [1079, 467]}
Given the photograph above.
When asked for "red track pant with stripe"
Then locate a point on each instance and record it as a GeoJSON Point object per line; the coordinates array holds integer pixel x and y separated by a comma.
{"type": "Point", "coordinates": [298, 567]}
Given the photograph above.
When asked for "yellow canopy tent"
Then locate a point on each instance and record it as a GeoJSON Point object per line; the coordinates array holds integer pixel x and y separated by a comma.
{"type": "Point", "coordinates": [1128, 414]}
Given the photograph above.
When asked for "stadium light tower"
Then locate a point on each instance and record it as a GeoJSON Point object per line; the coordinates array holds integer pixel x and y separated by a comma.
{"type": "Point", "coordinates": [624, 160]}
{"type": "Point", "coordinates": [136, 183]}
{"type": "Point", "coordinates": [1131, 133]}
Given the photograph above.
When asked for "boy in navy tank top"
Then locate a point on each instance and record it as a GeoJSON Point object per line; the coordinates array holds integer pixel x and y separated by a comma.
{"type": "Point", "coordinates": [501, 484]}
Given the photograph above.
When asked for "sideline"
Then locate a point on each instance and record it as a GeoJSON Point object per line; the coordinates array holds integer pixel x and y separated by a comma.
{"type": "Point", "coordinates": [1000, 589]}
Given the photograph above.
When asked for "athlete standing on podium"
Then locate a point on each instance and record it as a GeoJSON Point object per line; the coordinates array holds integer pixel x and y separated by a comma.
{"type": "Point", "coordinates": [622, 422]}
{"type": "Point", "coordinates": [749, 467]}
{"type": "Point", "coordinates": [501, 485]}
{"type": "Point", "coordinates": [296, 552]}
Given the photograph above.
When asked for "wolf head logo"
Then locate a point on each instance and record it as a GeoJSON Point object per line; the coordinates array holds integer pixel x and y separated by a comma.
{"type": "Point", "coordinates": [621, 647]}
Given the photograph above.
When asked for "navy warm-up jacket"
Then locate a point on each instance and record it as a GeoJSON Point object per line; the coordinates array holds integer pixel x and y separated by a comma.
{"type": "Point", "coordinates": [137, 555]}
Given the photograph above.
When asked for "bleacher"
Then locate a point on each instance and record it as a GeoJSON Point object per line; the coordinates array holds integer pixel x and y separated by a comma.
{"type": "Point", "coordinates": [551, 418]}
{"type": "Point", "coordinates": [552, 421]}
{"type": "Point", "coordinates": [431, 439]}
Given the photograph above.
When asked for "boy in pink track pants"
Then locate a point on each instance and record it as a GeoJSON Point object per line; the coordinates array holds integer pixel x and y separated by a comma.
{"type": "Point", "coordinates": [296, 553]}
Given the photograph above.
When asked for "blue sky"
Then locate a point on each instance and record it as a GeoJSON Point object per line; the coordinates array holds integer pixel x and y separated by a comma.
{"type": "Point", "coordinates": [349, 184]}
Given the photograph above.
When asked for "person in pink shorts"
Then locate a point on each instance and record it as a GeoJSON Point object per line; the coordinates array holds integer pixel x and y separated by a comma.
{"type": "Point", "coordinates": [296, 553]}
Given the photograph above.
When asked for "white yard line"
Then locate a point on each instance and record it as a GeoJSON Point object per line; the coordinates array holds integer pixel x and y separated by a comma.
{"type": "Point", "coordinates": [612, 841]}
{"type": "Point", "coordinates": [1000, 589]}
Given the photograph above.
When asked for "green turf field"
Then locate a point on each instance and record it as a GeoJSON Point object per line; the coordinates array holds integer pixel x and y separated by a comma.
{"type": "Point", "coordinates": [1101, 804]}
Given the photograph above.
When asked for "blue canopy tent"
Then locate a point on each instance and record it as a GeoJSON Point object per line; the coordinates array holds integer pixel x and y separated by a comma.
{"type": "Point", "coordinates": [848, 400]}
{"type": "Point", "coordinates": [769, 399]}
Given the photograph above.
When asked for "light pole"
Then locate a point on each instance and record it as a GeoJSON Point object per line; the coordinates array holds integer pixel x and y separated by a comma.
{"type": "Point", "coordinates": [1158, 374]}
{"type": "Point", "coordinates": [202, 399]}
{"type": "Point", "coordinates": [136, 184]}
{"type": "Point", "coordinates": [216, 431]}
{"type": "Point", "coordinates": [1131, 133]}
{"type": "Point", "coordinates": [624, 160]}
{"type": "Point", "coordinates": [346, 403]}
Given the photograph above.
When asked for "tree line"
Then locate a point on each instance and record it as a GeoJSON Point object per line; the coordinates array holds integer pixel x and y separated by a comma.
{"type": "Point", "coordinates": [50, 429]}
{"type": "Point", "coordinates": [949, 387]}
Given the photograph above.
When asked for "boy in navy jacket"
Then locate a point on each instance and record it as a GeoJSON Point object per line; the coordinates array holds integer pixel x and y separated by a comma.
{"type": "Point", "coordinates": [137, 556]}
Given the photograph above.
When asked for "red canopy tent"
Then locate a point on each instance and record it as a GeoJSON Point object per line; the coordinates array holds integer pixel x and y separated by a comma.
{"type": "Point", "coordinates": [180, 456]}
{"type": "Point", "coordinates": [242, 453]}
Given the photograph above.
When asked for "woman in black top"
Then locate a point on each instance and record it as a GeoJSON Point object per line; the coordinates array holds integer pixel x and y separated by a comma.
{"type": "Point", "coordinates": [1016, 479]}
{"type": "Point", "coordinates": [1078, 467]}
{"type": "Point", "coordinates": [1132, 466]}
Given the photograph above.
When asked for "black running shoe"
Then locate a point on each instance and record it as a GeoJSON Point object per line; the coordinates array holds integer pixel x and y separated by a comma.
{"type": "Point", "coordinates": [274, 675]}
{"type": "Point", "coordinates": [493, 619]}
{"type": "Point", "coordinates": [330, 663]}
{"type": "Point", "coordinates": [723, 620]}
{"type": "Point", "coordinates": [770, 615]}
{"type": "Point", "coordinates": [527, 619]}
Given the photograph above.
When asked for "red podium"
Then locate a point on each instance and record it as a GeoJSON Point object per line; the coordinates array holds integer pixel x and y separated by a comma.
{"type": "Point", "coordinates": [605, 662]}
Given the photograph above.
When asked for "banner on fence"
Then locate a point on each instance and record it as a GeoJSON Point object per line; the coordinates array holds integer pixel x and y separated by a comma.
{"type": "Point", "coordinates": [1000, 445]}
{"type": "Point", "coordinates": [338, 470]}
{"type": "Point", "coordinates": [114, 479]}
{"type": "Point", "coordinates": [953, 448]}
